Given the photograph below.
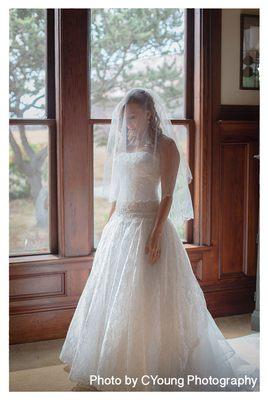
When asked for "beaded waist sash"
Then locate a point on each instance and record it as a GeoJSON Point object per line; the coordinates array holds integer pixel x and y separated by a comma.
{"type": "Point", "coordinates": [140, 209]}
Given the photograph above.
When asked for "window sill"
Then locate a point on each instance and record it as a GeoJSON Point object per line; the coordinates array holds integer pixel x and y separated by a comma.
{"type": "Point", "coordinates": [55, 259]}
{"type": "Point", "coordinates": [195, 247]}
{"type": "Point", "coordinates": [48, 259]}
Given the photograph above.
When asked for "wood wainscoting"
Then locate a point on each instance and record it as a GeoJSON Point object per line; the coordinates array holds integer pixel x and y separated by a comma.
{"type": "Point", "coordinates": [43, 296]}
{"type": "Point", "coordinates": [234, 225]}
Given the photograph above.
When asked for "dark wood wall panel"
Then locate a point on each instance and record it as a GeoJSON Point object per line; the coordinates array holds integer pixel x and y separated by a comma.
{"type": "Point", "coordinates": [44, 296]}
{"type": "Point", "coordinates": [70, 280]}
{"type": "Point", "coordinates": [231, 301]}
{"type": "Point", "coordinates": [239, 112]}
{"type": "Point", "coordinates": [45, 325]}
{"type": "Point", "coordinates": [233, 204]}
{"type": "Point", "coordinates": [238, 196]}
{"type": "Point", "coordinates": [36, 285]}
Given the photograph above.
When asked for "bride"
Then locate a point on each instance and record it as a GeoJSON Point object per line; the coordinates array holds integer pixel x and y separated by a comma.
{"type": "Point", "coordinates": [142, 317]}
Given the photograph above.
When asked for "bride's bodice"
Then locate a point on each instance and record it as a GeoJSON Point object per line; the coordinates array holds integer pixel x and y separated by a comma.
{"type": "Point", "coordinates": [138, 176]}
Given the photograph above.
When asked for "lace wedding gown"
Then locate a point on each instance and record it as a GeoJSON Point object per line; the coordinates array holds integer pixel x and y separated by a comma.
{"type": "Point", "coordinates": [135, 318]}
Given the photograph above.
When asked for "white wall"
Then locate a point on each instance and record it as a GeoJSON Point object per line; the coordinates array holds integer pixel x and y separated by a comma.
{"type": "Point", "coordinates": [230, 60]}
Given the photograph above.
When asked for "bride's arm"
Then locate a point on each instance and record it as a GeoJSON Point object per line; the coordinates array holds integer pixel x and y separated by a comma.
{"type": "Point", "coordinates": [169, 164]}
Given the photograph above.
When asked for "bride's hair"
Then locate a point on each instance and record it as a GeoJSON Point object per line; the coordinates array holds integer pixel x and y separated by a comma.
{"type": "Point", "coordinates": [146, 102]}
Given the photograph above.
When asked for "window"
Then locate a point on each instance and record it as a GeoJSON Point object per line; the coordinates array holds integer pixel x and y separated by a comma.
{"type": "Point", "coordinates": [136, 47]}
{"type": "Point", "coordinates": [32, 132]}
{"type": "Point", "coordinates": [130, 48]}
{"type": "Point", "coordinates": [101, 205]}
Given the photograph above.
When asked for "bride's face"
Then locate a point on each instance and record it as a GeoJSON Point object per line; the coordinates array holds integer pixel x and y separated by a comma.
{"type": "Point", "coordinates": [136, 118]}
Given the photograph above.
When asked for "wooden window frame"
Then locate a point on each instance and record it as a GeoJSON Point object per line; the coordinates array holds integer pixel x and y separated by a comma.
{"type": "Point", "coordinates": [50, 122]}
{"type": "Point", "coordinates": [187, 121]}
{"type": "Point", "coordinates": [67, 121]}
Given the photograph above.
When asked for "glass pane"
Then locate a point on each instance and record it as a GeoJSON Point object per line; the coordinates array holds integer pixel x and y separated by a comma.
{"type": "Point", "coordinates": [29, 190]}
{"type": "Point", "coordinates": [182, 133]}
{"type": "Point", "coordinates": [101, 205]}
{"type": "Point", "coordinates": [27, 70]}
{"type": "Point", "coordinates": [137, 47]}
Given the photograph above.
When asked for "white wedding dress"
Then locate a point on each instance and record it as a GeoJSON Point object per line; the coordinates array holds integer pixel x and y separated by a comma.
{"type": "Point", "coordinates": [135, 318]}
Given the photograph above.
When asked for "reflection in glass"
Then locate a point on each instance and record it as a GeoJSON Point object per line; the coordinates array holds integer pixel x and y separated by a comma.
{"type": "Point", "coordinates": [29, 190]}
{"type": "Point", "coordinates": [136, 47]}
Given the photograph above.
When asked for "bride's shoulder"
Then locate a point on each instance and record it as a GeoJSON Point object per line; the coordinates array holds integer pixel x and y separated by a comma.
{"type": "Point", "coordinates": [167, 145]}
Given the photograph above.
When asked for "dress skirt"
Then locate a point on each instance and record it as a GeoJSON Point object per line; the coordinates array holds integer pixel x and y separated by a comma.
{"type": "Point", "coordinates": [144, 321]}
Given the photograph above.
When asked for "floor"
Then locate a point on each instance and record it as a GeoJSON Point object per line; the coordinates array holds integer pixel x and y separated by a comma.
{"type": "Point", "coordinates": [36, 367]}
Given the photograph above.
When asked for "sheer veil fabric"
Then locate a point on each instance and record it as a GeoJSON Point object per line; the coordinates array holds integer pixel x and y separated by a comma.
{"type": "Point", "coordinates": [133, 318]}
{"type": "Point", "coordinates": [140, 123]}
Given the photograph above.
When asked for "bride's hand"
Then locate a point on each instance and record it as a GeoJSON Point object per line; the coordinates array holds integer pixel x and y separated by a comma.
{"type": "Point", "coordinates": [152, 247]}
